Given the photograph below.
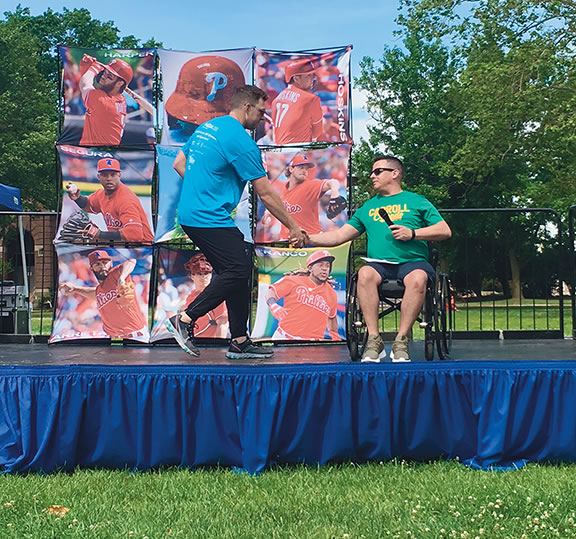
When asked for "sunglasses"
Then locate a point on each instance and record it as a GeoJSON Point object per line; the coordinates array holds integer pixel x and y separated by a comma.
{"type": "Point", "coordinates": [378, 171]}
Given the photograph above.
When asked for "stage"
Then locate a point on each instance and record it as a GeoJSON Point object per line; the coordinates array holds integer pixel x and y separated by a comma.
{"type": "Point", "coordinates": [496, 404]}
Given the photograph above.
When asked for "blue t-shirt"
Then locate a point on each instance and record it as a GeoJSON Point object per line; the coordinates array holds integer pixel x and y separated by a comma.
{"type": "Point", "coordinates": [220, 159]}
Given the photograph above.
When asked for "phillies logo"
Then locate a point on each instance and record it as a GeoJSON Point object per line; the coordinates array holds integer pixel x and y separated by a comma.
{"type": "Point", "coordinates": [219, 81]}
{"type": "Point", "coordinates": [111, 222]}
{"type": "Point", "coordinates": [121, 107]}
{"type": "Point", "coordinates": [316, 301]}
{"type": "Point", "coordinates": [103, 299]}
{"type": "Point", "coordinates": [293, 208]}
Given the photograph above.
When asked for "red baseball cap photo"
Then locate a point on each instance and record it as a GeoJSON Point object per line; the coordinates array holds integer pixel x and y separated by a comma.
{"type": "Point", "coordinates": [108, 164]}
{"type": "Point", "coordinates": [300, 160]}
{"type": "Point", "coordinates": [94, 256]}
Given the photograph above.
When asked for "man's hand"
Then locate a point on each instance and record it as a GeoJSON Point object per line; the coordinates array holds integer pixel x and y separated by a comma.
{"type": "Point", "coordinates": [89, 62]}
{"type": "Point", "coordinates": [401, 233]}
{"type": "Point", "coordinates": [277, 311]}
{"type": "Point", "coordinates": [298, 238]}
{"type": "Point", "coordinates": [67, 288]}
{"type": "Point", "coordinates": [73, 191]}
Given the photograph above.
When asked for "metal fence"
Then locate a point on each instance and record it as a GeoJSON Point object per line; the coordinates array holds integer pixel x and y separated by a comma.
{"type": "Point", "coordinates": [508, 273]}
{"type": "Point", "coordinates": [27, 274]}
{"type": "Point", "coordinates": [510, 270]}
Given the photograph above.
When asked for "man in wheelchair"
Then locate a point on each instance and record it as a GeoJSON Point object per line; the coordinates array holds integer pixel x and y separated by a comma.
{"type": "Point", "coordinates": [398, 225]}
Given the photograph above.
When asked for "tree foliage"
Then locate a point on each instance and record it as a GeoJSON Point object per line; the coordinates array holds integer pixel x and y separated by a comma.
{"type": "Point", "coordinates": [29, 92]}
{"type": "Point", "coordinates": [480, 101]}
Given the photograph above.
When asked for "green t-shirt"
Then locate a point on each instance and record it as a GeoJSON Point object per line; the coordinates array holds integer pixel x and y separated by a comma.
{"type": "Point", "coordinates": [406, 209]}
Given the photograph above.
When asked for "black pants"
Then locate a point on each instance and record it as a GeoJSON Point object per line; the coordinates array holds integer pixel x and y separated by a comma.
{"type": "Point", "coordinates": [231, 259]}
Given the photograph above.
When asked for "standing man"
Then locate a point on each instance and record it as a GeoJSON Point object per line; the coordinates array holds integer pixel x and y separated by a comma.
{"type": "Point", "coordinates": [115, 297]}
{"type": "Point", "coordinates": [123, 213]}
{"type": "Point", "coordinates": [297, 112]}
{"type": "Point", "coordinates": [310, 302]}
{"type": "Point", "coordinates": [105, 105]}
{"type": "Point", "coordinates": [215, 164]}
{"type": "Point", "coordinates": [302, 195]}
{"type": "Point", "coordinates": [398, 251]}
{"type": "Point", "coordinates": [214, 324]}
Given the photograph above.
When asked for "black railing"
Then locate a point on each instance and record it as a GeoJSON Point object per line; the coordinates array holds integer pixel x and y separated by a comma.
{"type": "Point", "coordinates": [508, 268]}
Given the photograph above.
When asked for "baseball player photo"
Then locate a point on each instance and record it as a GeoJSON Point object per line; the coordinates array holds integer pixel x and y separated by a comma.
{"type": "Point", "coordinates": [183, 276]}
{"type": "Point", "coordinates": [108, 209]}
{"type": "Point", "coordinates": [299, 86]}
{"type": "Point", "coordinates": [197, 87]}
{"type": "Point", "coordinates": [114, 89]}
{"type": "Point", "coordinates": [301, 296]}
{"type": "Point", "coordinates": [102, 293]}
{"type": "Point", "coordinates": [312, 186]}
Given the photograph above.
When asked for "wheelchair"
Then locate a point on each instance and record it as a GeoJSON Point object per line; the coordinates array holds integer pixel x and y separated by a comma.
{"type": "Point", "coordinates": [436, 318]}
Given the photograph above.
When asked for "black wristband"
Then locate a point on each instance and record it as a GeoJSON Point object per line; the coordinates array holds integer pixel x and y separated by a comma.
{"type": "Point", "coordinates": [413, 234]}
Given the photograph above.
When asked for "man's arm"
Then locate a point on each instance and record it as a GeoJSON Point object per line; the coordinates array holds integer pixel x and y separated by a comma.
{"type": "Point", "coordinates": [273, 203]}
{"type": "Point", "coordinates": [75, 195]}
{"type": "Point", "coordinates": [277, 311]}
{"type": "Point", "coordinates": [179, 164]}
{"type": "Point", "coordinates": [332, 185]}
{"type": "Point", "coordinates": [68, 288]}
{"type": "Point", "coordinates": [90, 68]}
{"type": "Point", "coordinates": [437, 232]}
{"type": "Point", "coordinates": [332, 326]}
{"type": "Point", "coordinates": [334, 237]}
{"type": "Point", "coordinates": [127, 269]}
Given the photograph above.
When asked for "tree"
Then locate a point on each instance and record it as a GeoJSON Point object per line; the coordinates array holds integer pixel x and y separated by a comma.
{"type": "Point", "coordinates": [480, 103]}
{"type": "Point", "coordinates": [29, 93]}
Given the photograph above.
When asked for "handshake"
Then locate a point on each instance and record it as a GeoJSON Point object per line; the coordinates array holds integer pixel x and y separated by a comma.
{"type": "Point", "coordinates": [299, 238]}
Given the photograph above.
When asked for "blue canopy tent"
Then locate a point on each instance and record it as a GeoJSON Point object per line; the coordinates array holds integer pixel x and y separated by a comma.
{"type": "Point", "coordinates": [10, 198]}
{"type": "Point", "coordinates": [10, 201]}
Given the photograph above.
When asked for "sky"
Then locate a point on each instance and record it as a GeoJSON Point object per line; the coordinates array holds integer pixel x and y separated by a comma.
{"type": "Point", "coordinates": [367, 25]}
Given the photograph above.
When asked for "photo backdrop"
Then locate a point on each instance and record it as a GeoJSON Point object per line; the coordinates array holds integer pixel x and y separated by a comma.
{"type": "Point", "coordinates": [89, 304]}
{"type": "Point", "coordinates": [197, 86]}
{"type": "Point", "coordinates": [169, 188]}
{"type": "Point", "coordinates": [127, 209]}
{"type": "Point", "coordinates": [295, 305]}
{"type": "Point", "coordinates": [95, 112]}
{"type": "Point", "coordinates": [306, 180]}
{"type": "Point", "coordinates": [314, 107]}
{"type": "Point", "coordinates": [182, 275]}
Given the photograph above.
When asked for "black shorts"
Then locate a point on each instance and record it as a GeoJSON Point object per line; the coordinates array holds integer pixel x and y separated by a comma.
{"type": "Point", "coordinates": [393, 272]}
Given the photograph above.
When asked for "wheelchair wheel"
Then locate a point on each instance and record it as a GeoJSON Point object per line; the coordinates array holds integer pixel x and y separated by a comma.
{"type": "Point", "coordinates": [445, 316]}
{"type": "Point", "coordinates": [355, 329]}
{"type": "Point", "coordinates": [429, 318]}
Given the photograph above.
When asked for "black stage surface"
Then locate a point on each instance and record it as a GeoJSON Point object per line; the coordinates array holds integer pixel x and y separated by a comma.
{"type": "Point", "coordinates": [462, 350]}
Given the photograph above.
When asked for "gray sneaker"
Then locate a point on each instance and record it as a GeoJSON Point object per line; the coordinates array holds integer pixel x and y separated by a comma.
{"type": "Point", "coordinates": [400, 349]}
{"type": "Point", "coordinates": [374, 350]}
{"type": "Point", "coordinates": [248, 350]}
{"type": "Point", "coordinates": [183, 333]}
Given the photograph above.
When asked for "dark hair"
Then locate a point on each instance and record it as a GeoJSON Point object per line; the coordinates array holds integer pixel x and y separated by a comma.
{"type": "Point", "coordinates": [247, 94]}
{"type": "Point", "coordinates": [395, 160]}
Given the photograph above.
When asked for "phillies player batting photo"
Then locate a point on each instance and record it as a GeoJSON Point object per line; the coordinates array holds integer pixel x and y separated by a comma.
{"type": "Point", "coordinates": [310, 302]}
{"type": "Point", "coordinates": [115, 297]}
{"type": "Point", "coordinates": [102, 88]}
{"type": "Point", "coordinates": [121, 209]}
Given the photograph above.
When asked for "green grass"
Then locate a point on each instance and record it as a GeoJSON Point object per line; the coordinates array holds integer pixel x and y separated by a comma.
{"type": "Point", "coordinates": [395, 499]}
